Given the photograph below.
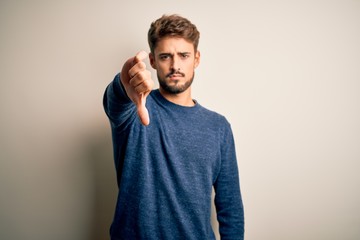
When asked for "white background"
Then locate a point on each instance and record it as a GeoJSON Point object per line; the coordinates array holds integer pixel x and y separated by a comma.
{"type": "Point", "coordinates": [286, 74]}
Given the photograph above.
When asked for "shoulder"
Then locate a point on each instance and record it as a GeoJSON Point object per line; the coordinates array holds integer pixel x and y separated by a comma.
{"type": "Point", "coordinates": [214, 120]}
{"type": "Point", "coordinates": [213, 115]}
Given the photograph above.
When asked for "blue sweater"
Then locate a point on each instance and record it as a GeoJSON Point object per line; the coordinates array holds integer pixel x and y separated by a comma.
{"type": "Point", "coordinates": [166, 171]}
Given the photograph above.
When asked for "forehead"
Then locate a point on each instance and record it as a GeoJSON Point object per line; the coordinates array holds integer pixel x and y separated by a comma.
{"type": "Point", "coordinates": [174, 45]}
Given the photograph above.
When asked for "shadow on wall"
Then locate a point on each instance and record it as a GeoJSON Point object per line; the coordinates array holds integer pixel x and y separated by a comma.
{"type": "Point", "coordinates": [100, 154]}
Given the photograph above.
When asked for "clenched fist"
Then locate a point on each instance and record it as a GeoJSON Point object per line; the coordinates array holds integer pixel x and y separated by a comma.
{"type": "Point", "coordinates": [138, 84]}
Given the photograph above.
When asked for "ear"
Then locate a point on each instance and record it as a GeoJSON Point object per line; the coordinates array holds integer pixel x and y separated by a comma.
{"type": "Point", "coordinates": [197, 59]}
{"type": "Point", "coordinates": [152, 60]}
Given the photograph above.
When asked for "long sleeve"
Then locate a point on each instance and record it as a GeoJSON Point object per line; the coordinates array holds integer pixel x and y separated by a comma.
{"type": "Point", "coordinates": [121, 111]}
{"type": "Point", "coordinates": [118, 107]}
{"type": "Point", "coordinates": [228, 201]}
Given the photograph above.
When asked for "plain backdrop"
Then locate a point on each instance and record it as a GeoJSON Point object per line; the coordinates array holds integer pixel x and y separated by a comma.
{"type": "Point", "coordinates": [286, 74]}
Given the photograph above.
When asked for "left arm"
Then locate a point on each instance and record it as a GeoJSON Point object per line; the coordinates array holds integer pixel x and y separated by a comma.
{"type": "Point", "coordinates": [228, 200]}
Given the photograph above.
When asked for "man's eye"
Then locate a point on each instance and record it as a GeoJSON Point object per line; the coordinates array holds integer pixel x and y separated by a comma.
{"type": "Point", "coordinates": [164, 57]}
{"type": "Point", "coordinates": [185, 55]}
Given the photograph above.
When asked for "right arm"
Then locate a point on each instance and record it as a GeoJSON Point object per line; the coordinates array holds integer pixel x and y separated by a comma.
{"type": "Point", "coordinates": [118, 106]}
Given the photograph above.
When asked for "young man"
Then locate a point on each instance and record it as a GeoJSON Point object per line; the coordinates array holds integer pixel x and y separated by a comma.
{"type": "Point", "coordinates": [170, 152]}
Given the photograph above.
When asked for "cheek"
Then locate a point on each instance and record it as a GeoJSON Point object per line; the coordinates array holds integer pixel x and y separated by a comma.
{"type": "Point", "coordinates": [162, 70]}
{"type": "Point", "coordinates": [189, 67]}
{"type": "Point", "coordinates": [163, 66]}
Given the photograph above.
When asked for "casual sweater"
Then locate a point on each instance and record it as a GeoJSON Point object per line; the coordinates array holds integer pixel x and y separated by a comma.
{"type": "Point", "coordinates": [166, 171]}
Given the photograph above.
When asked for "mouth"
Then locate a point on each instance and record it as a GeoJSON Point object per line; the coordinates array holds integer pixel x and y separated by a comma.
{"type": "Point", "coordinates": [175, 75]}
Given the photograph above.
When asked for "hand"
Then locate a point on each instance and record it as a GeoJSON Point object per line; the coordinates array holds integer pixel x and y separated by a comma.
{"type": "Point", "coordinates": [138, 84]}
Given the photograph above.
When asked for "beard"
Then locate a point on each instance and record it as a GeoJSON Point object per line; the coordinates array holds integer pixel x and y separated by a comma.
{"type": "Point", "coordinates": [175, 88]}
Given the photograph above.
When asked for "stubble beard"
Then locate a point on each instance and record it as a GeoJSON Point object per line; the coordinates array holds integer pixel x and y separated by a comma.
{"type": "Point", "coordinates": [175, 88]}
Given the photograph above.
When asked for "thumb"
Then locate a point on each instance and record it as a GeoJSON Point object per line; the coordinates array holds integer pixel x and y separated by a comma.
{"type": "Point", "coordinates": [142, 110]}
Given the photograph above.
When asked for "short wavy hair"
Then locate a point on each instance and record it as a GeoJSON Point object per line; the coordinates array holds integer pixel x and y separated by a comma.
{"type": "Point", "coordinates": [172, 26]}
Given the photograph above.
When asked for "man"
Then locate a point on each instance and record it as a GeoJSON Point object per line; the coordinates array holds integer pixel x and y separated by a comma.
{"type": "Point", "coordinates": [170, 152]}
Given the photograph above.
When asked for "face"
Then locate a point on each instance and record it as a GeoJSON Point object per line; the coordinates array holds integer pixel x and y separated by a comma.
{"type": "Point", "coordinates": [175, 61]}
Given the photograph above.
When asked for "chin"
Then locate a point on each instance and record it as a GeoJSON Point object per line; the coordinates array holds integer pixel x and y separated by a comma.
{"type": "Point", "coordinates": [173, 86]}
{"type": "Point", "coordinates": [173, 90]}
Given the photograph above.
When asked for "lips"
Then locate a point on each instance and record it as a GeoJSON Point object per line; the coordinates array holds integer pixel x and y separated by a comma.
{"type": "Point", "coordinates": [175, 75]}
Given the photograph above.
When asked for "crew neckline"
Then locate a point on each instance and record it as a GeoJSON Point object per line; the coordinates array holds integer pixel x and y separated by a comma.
{"type": "Point", "coordinates": [167, 103]}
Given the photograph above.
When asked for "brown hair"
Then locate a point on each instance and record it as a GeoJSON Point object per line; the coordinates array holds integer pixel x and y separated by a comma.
{"type": "Point", "coordinates": [172, 26]}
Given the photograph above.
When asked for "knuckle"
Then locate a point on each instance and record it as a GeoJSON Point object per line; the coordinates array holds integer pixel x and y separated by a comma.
{"type": "Point", "coordinates": [139, 89]}
{"type": "Point", "coordinates": [130, 73]}
{"type": "Point", "coordinates": [142, 65]}
{"type": "Point", "coordinates": [132, 81]}
{"type": "Point", "coordinates": [146, 85]}
{"type": "Point", "coordinates": [142, 75]}
{"type": "Point", "coordinates": [149, 84]}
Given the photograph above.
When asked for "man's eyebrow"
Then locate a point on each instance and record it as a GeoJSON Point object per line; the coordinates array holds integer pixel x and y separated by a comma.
{"type": "Point", "coordinates": [164, 54]}
{"type": "Point", "coordinates": [183, 53]}
{"type": "Point", "coordinates": [170, 54]}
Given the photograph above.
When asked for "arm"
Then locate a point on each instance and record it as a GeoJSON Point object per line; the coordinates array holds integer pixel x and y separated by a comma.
{"type": "Point", "coordinates": [117, 105]}
{"type": "Point", "coordinates": [228, 201]}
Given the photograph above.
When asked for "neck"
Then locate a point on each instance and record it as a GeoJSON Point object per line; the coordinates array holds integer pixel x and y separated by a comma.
{"type": "Point", "coordinates": [182, 99]}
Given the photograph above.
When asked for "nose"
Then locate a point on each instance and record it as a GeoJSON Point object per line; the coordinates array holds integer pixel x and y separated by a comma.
{"type": "Point", "coordinates": [175, 66]}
